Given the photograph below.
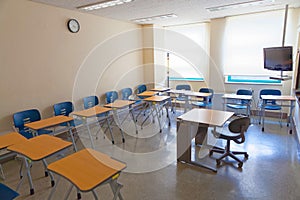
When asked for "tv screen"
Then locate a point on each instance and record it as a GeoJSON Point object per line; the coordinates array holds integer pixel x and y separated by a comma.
{"type": "Point", "coordinates": [278, 58]}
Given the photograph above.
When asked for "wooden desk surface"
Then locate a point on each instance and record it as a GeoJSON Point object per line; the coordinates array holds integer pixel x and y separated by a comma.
{"type": "Point", "coordinates": [9, 139]}
{"type": "Point", "coordinates": [157, 98]}
{"type": "Point", "coordinates": [92, 112]}
{"type": "Point", "coordinates": [119, 104]}
{"type": "Point", "coordinates": [147, 94]}
{"type": "Point", "coordinates": [236, 96]}
{"type": "Point", "coordinates": [39, 147]}
{"type": "Point", "coordinates": [278, 97]}
{"type": "Point", "coordinates": [158, 89]}
{"type": "Point", "coordinates": [206, 116]}
{"type": "Point", "coordinates": [87, 168]}
{"type": "Point", "coordinates": [49, 122]}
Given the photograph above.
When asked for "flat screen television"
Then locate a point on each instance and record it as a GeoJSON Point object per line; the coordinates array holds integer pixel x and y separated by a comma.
{"type": "Point", "coordinates": [278, 58]}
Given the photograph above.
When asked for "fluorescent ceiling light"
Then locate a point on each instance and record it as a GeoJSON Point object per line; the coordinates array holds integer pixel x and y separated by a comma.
{"type": "Point", "coordinates": [239, 5]}
{"type": "Point", "coordinates": [104, 4]}
{"type": "Point", "coordinates": [147, 19]}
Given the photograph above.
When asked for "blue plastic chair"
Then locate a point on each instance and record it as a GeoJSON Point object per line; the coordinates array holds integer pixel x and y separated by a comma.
{"type": "Point", "coordinates": [65, 108]}
{"type": "Point", "coordinates": [141, 88]}
{"type": "Point", "coordinates": [270, 104]}
{"type": "Point", "coordinates": [111, 96]}
{"type": "Point", "coordinates": [207, 101]}
{"type": "Point", "coordinates": [182, 87]}
{"type": "Point", "coordinates": [7, 193]}
{"type": "Point", "coordinates": [90, 101]}
{"type": "Point", "coordinates": [126, 93]}
{"type": "Point", "coordinates": [240, 104]}
{"type": "Point", "coordinates": [24, 117]}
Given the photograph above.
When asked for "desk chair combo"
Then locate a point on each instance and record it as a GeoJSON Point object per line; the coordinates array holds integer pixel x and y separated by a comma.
{"type": "Point", "coordinates": [237, 128]}
{"type": "Point", "coordinates": [269, 104]}
{"type": "Point", "coordinates": [207, 101]}
{"type": "Point", "coordinates": [180, 97]}
{"type": "Point", "coordinates": [23, 117]}
{"type": "Point", "coordinates": [241, 104]}
{"type": "Point", "coordinates": [65, 108]}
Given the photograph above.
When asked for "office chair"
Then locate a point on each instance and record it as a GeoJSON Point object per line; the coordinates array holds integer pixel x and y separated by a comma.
{"type": "Point", "coordinates": [7, 193]}
{"type": "Point", "coordinates": [24, 117]}
{"type": "Point", "coordinates": [111, 96]}
{"type": "Point", "coordinates": [65, 108]}
{"type": "Point", "coordinates": [270, 104]}
{"type": "Point", "coordinates": [237, 128]}
{"type": "Point", "coordinates": [207, 101]}
{"type": "Point", "coordinates": [240, 104]}
{"type": "Point", "coordinates": [180, 97]}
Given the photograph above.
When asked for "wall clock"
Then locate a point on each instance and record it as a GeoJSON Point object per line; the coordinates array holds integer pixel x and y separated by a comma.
{"type": "Point", "coordinates": [73, 25]}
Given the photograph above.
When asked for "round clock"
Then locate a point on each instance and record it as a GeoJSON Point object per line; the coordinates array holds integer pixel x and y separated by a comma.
{"type": "Point", "coordinates": [73, 25]}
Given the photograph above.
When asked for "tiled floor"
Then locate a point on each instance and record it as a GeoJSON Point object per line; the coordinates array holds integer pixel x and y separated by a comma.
{"type": "Point", "coordinates": [270, 173]}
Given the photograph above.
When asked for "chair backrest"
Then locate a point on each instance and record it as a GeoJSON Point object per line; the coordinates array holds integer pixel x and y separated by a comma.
{"type": "Point", "coordinates": [244, 92]}
{"type": "Point", "coordinates": [207, 90]}
{"type": "Point", "coordinates": [270, 92]}
{"type": "Point", "coordinates": [239, 125]}
{"type": "Point", "coordinates": [183, 87]}
{"type": "Point", "coordinates": [141, 88]}
{"type": "Point", "coordinates": [126, 92]}
{"type": "Point", "coordinates": [111, 96]}
{"type": "Point", "coordinates": [23, 117]}
{"type": "Point", "coordinates": [63, 108]}
{"type": "Point", "coordinates": [90, 101]}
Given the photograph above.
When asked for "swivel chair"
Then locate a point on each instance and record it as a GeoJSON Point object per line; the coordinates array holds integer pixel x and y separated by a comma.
{"type": "Point", "coordinates": [237, 128]}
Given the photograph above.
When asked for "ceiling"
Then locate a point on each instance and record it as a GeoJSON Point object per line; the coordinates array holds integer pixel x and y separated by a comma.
{"type": "Point", "coordinates": [187, 11]}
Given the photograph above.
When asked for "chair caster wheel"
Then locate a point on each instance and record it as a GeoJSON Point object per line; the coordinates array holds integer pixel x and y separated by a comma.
{"type": "Point", "coordinates": [123, 140]}
{"type": "Point", "coordinates": [240, 165]}
{"type": "Point", "coordinates": [52, 183]}
{"type": "Point", "coordinates": [218, 162]}
{"type": "Point", "coordinates": [246, 156]}
{"type": "Point", "coordinates": [31, 191]}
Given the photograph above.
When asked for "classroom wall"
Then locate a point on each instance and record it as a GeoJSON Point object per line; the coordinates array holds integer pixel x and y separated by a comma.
{"type": "Point", "coordinates": [42, 63]}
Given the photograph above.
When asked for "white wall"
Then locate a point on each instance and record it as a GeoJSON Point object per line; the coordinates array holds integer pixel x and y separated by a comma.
{"type": "Point", "coordinates": [41, 61]}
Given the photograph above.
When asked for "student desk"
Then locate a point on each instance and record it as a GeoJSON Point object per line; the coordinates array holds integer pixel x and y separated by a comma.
{"type": "Point", "coordinates": [147, 94]}
{"type": "Point", "coordinates": [158, 89]}
{"type": "Point", "coordinates": [153, 102]}
{"type": "Point", "coordinates": [84, 115]}
{"type": "Point", "coordinates": [9, 139]}
{"type": "Point", "coordinates": [281, 98]}
{"type": "Point", "coordinates": [235, 97]}
{"type": "Point", "coordinates": [187, 94]}
{"type": "Point", "coordinates": [118, 105]}
{"type": "Point", "coordinates": [196, 116]}
{"type": "Point", "coordinates": [51, 122]}
{"type": "Point", "coordinates": [36, 149]}
{"type": "Point", "coordinates": [88, 169]}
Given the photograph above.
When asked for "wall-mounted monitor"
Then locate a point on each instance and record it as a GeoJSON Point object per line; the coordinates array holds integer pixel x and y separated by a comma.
{"type": "Point", "coordinates": [278, 58]}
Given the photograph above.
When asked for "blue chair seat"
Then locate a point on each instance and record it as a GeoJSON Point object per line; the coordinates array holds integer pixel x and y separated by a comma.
{"type": "Point", "coordinates": [237, 106]}
{"type": "Point", "coordinates": [272, 107]}
{"type": "Point", "coordinates": [202, 104]}
{"type": "Point", "coordinates": [6, 193]}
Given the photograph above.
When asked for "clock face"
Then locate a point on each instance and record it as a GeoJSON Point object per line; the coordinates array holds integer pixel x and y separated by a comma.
{"type": "Point", "coordinates": [73, 25]}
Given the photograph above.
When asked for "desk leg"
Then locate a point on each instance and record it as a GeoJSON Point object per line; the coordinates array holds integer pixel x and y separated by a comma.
{"type": "Point", "coordinates": [72, 136]}
{"type": "Point", "coordinates": [157, 114]}
{"type": "Point", "coordinates": [117, 121]}
{"type": "Point", "coordinates": [184, 146]}
{"type": "Point", "coordinates": [50, 173]}
{"type": "Point", "coordinates": [134, 120]}
{"type": "Point", "coordinates": [89, 132]}
{"type": "Point", "coordinates": [110, 131]}
{"type": "Point", "coordinates": [54, 188]}
{"type": "Point", "coordinates": [116, 187]}
{"type": "Point", "coordinates": [27, 168]}
{"type": "Point", "coordinates": [263, 116]}
{"type": "Point", "coordinates": [290, 120]}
